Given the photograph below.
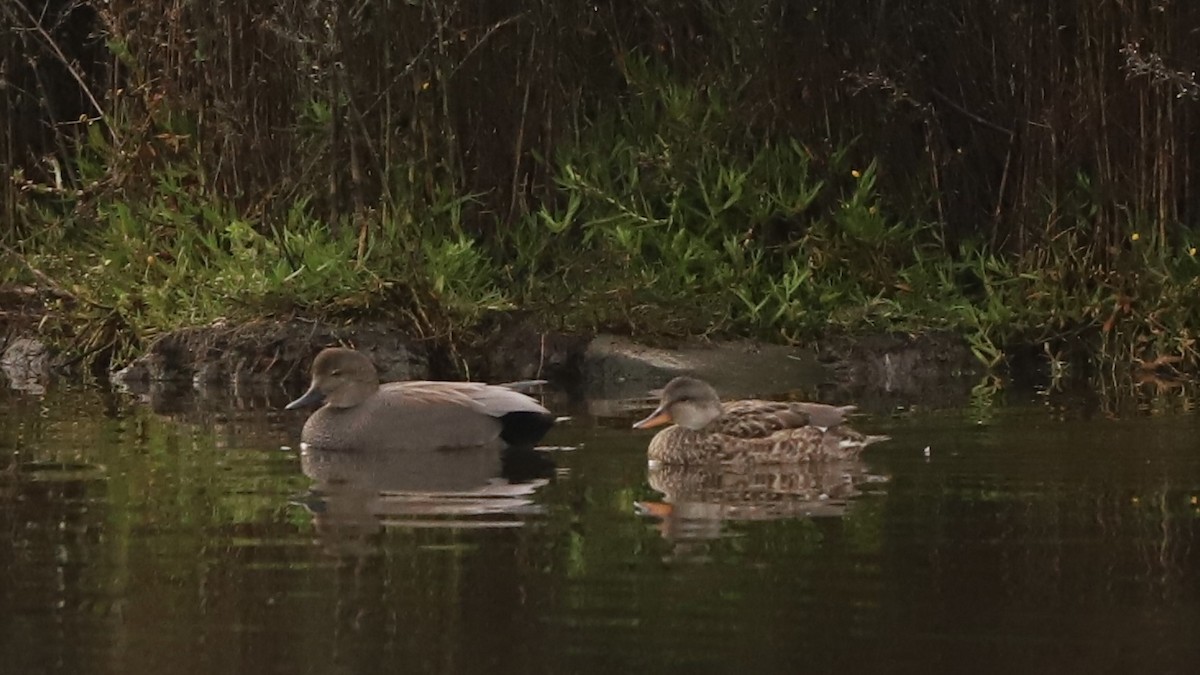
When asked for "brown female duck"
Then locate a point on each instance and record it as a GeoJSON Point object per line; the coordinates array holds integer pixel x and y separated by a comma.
{"type": "Point", "coordinates": [361, 414]}
{"type": "Point", "coordinates": [705, 431]}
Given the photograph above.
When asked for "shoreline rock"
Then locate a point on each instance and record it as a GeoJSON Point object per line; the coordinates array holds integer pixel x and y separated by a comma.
{"type": "Point", "coordinates": [26, 363]}
{"type": "Point", "coordinates": [600, 368]}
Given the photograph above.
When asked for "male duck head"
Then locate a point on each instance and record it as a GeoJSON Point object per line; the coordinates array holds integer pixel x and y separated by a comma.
{"type": "Point", "coordinates": [341, 378]}
{"type": "Point", "coordinates": [686, 402]}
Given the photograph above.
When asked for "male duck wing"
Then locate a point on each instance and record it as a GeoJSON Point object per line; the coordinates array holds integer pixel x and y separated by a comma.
{"type": "Point", "coordinates": [419, 394]}
{"type": "Point", "coordinates": [499, 401]}
{"type": "Point", "coordinates": [492, 400]}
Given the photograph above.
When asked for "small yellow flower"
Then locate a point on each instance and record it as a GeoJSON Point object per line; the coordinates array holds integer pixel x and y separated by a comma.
{"type": "Point", "coordinates": [1192, 251]}
{"type": "Point", "coordinates": [856, 173]}
{"type": "Point", "coordinates": [873, 210]}
{"type": "Point", "coordinates": [424, 86]}
{"type": "Point", "coordinates": [1135, 236]}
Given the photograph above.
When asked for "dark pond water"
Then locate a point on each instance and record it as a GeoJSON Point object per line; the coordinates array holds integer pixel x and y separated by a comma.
{"type": "Point", "coordinates": [1039, 535]}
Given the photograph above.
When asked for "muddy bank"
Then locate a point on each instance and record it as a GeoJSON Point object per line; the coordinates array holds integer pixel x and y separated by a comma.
{"type": "Point", "coordinates": [937, 369]}
{"type": "Point", "coordinates": [266, 352]}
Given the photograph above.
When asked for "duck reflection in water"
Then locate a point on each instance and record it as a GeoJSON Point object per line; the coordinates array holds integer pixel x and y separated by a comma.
{"type": "Point", "coordinates": [699, 499]}
{"type": "Point", "coordinates": [356, 495]}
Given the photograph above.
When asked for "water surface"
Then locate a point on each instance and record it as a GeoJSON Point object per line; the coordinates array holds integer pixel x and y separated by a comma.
{"type": "Point", "coordinates": [1034, 536]}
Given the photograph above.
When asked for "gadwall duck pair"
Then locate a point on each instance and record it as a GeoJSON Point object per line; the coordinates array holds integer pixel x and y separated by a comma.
{"type": "Point", "coordinates": [359, 413]}
{"type": "Point", "coordinates": [706, 431]}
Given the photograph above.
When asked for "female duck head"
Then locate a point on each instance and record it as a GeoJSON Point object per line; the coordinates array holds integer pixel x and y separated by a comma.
{"type": "Point", "coordinates": [341, 378]}
{"type": "Point", "coordinates": [687, 402]}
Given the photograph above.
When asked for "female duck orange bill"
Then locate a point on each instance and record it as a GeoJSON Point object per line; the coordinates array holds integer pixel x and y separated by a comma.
{"type": "Point", "coordinates": [358, 413]}
{"type": "Point", "coordinates": [704, 430]}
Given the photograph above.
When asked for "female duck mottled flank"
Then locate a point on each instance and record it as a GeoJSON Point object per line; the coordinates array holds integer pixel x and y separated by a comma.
{"type": "Point", "coordinates": [361, 414]}
{"type": "Point", "coordinates": [706, 431]}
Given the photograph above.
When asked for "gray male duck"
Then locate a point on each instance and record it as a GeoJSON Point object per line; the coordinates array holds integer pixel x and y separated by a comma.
{"type": "Point", "coordinates": [359, 413]}
{"type": "Point", "coordinates": [704, 430]}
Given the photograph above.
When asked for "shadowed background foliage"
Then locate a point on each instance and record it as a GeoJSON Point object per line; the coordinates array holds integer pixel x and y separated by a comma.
{"type": "Point", "coordinates": [1019, 172]}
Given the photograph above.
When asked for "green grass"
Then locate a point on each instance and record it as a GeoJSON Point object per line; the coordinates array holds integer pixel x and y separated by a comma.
{"type": "Point", "coordinates": [669, 217]}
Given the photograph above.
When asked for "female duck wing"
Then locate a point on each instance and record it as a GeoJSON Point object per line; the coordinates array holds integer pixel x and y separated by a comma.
{"type": "Point", "coordinates": [822, 414]}
{"type": "Point", "coordinates": [757, 419]}
{"type": "Point", "coordinates": [761, 419]}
